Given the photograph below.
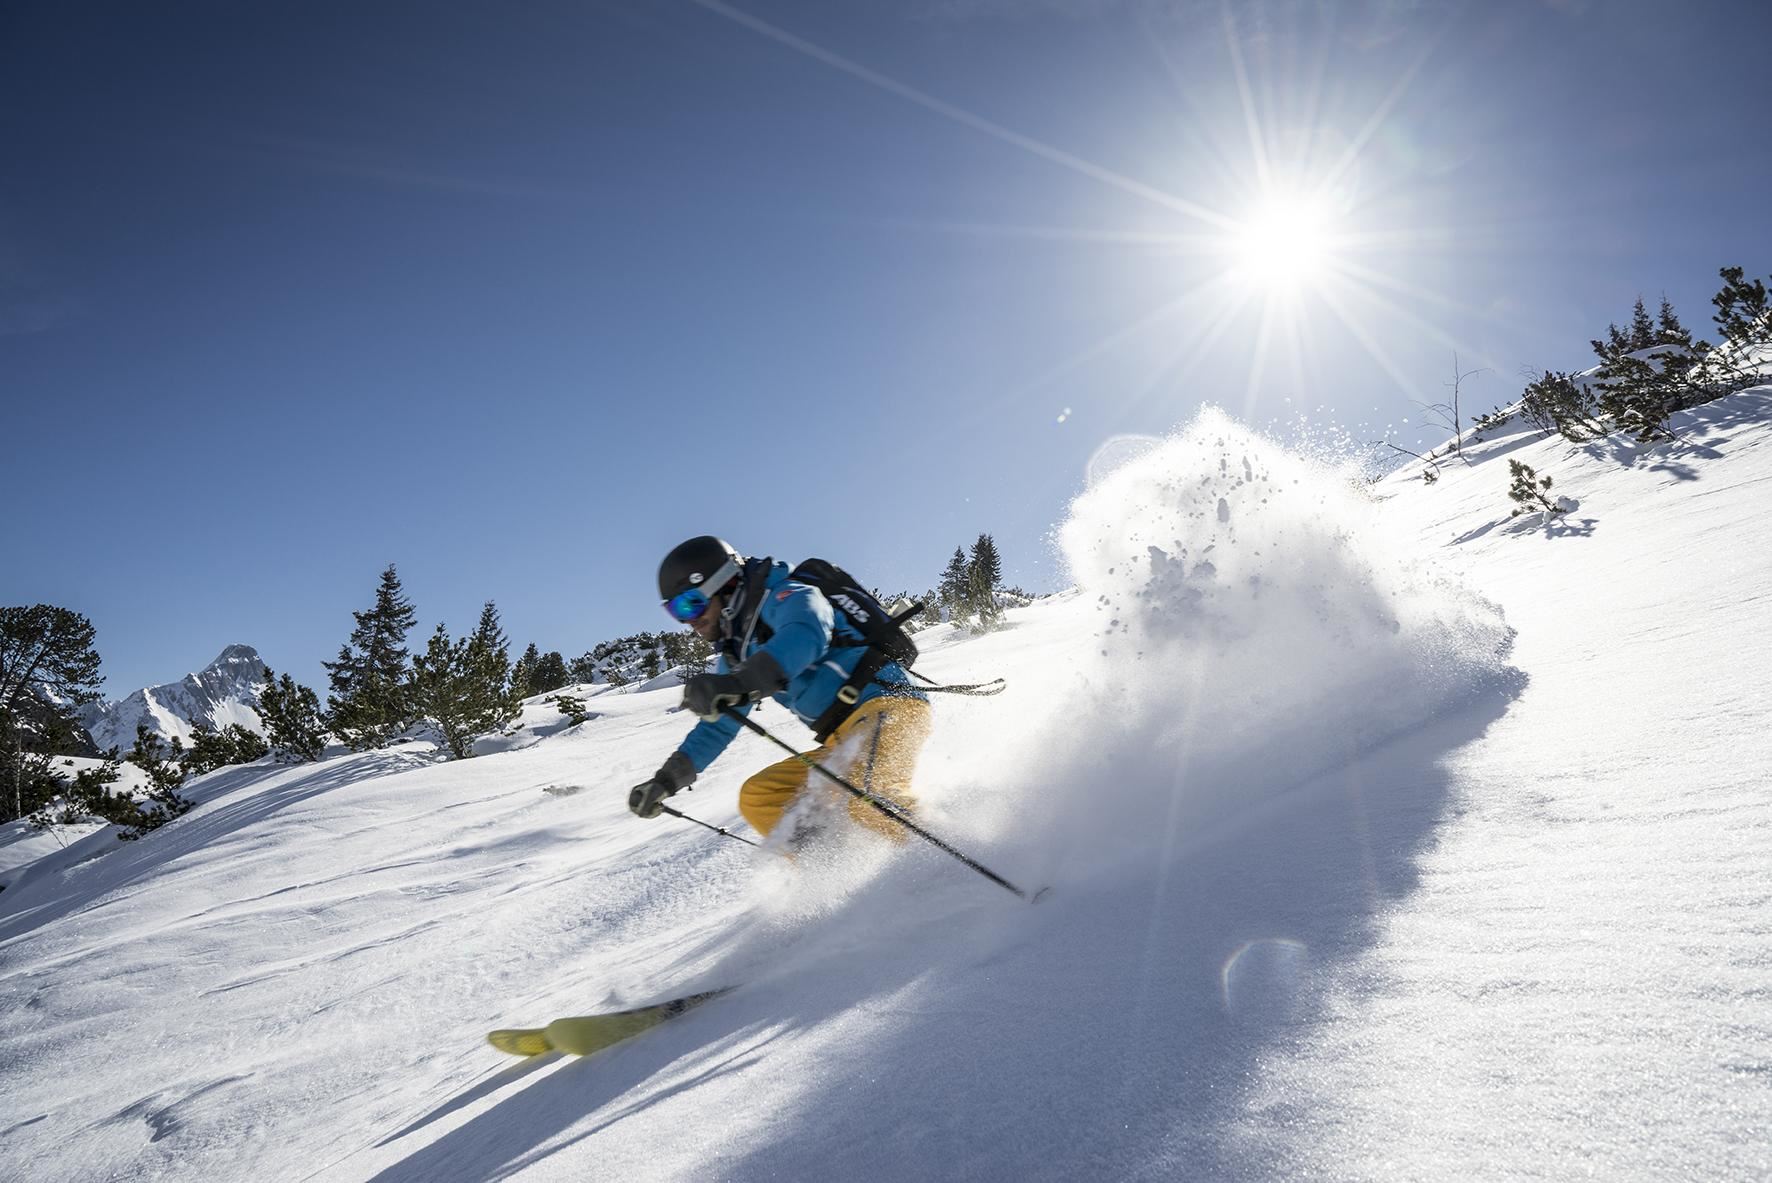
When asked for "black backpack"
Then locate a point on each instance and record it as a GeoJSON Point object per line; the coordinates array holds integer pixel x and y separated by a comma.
{"type": "Point", "coordinates": [879, 628]}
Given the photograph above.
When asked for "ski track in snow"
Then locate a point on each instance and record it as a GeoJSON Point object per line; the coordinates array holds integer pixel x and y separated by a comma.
{"type": "Point", "coordinates": [1390, 837]}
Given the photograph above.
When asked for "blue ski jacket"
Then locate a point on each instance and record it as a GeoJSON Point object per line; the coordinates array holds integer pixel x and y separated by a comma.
{"type": "Point", "coordinates": [803, 627]}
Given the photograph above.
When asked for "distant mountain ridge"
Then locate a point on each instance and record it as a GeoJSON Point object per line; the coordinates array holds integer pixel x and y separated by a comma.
{"type": "Point", "coordinates": [224, 691]}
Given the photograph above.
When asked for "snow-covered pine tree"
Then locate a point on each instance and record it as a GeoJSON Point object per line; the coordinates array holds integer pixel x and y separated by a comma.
{"type": "Point", "coordinates": [371, 699]}
{"type": "Point", "coordinates": [1640, 394]}
{"type": "Point", "coordinates": [1668, 329]}
{"type": "Point", "coordinates": [89, 796]}
{"type": "Point", "coordinates": [1744, 319]}
{"type": "Point", "coordinates": [162, 761]}
{"type": "Point", "coordinates": [291, 713]}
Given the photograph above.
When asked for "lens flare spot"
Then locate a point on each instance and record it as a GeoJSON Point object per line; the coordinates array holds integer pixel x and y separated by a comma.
{"type": "Point", "coordinates": [1264, 980]}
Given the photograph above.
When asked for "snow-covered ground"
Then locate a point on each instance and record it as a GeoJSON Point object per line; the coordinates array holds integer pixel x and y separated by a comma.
{"type": "Point", "coordinates": [1388, 836]}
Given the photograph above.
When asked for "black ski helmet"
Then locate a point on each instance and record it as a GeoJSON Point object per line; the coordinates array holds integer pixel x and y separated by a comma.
{"type": "Point", "coordinates": [694, 564]}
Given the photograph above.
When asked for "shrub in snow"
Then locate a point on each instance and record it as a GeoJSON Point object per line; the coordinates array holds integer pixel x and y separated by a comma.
{"type": "Point", "coordinates": [212, 749]}
{"type": "Point", "coordinates": [1745, 321]}
{"type": "Point", "coordinates": [572, 706]}
{"type": "Point", "coordinates": [1743, 314]}
{"type": "Point", "coordinates": [1639, 392]}
{"type": "Point", "coordinates": [291, 713]}
{"type": "Point", "coordinates": [161, 761]}
{"type": "Point", "coordinates": [1557, 402]}
{"type": "Point", "coordinates": [1493, 421]}
{"type": "Point", "coordinates": [1530, 491]}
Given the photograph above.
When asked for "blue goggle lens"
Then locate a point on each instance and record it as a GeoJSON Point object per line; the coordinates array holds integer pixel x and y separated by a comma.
{"type": "Point", "coordinates": [688, 605]}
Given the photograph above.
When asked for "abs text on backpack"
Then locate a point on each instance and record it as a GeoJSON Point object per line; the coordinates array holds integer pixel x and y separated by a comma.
{"type": "Point", "coordinates": [880, 630]}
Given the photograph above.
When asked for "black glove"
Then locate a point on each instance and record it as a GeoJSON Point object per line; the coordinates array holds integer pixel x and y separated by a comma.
{"type": "Point", "coordinates": [707, 694]}
{"type": "Point", "coordinates": [676, 773]}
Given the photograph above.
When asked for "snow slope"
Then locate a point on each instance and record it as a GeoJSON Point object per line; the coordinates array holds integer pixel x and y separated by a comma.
{"type": "Point", "coordinates": [1389, 837]}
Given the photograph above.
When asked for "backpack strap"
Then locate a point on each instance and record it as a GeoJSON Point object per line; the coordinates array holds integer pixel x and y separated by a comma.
{"type": "Point", "coordinates": [849, 694]}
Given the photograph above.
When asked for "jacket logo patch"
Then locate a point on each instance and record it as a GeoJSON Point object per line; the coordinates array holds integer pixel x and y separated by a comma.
{"type": "Point", "coordinates": [783, 594]}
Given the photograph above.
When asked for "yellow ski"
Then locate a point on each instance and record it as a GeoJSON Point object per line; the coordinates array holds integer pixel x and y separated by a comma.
{"type": "Point", "coordinates": [582, 1035]}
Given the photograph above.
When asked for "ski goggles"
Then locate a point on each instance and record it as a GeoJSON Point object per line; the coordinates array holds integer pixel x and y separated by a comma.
{"type": "Point", "coordinates": [691, 604]}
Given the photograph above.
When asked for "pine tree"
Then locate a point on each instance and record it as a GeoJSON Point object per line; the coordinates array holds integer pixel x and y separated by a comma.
{"type": "Point", "coordinates": [523, 673]}
{"type": "Point", "coordinates": [1529, 491]}
{"type": "Point", "coordinates": [687, 652]}
{"type": "Point", "coordinates": [549, 674]}
{"type": "Point", "coordinates": [370, 702]}
{"type": "Point", "coordinates": [1642, 327]}
{"type": "Point", "coordinates": [162, 762]}
{"type": "Point", "coordinates": [291, 713]}
{"type": "Point", "coordinates": [571, 706]}
{"type": "Point", "coordinates": [489, 657]}
{"type": "Point", "coordinates": [208, 750]}
{"type": "Point", "coordinates": [47, 667]}
{"type": "Point", "coordinates": [460, 686]}
{"type": "Point", "coordinates": [583, 669]}
{"type": "Point", "coordinates": [89, 795]}
{"type": "Point", "coordinates": [1558, 403]}
{"type": "Point", "coordinates": [953, 590]}
{"type": "Point", "coordinates": [212, 749]}
{"type": "Point", "coordinates": [1743, 315]}
{"type": "Point", "coordinates": [1669, 330]}
{"type": "Point", "coordinates": [984, 575]}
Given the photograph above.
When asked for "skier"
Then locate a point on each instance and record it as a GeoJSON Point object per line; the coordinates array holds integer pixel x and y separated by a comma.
{"type": "Point", "coordinates": [781, 638]}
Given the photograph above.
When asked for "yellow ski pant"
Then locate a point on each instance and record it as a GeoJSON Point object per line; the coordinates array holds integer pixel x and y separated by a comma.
{"type": "Point", "coordinates": [875, 749]}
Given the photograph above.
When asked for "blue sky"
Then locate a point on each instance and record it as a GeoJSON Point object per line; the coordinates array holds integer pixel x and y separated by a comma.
{"type": "Point", "coordinates": [518, 296]}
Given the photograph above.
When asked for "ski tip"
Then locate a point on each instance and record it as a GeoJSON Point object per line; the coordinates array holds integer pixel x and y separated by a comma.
{"type": "Point", "coordinates": [521, 1041]}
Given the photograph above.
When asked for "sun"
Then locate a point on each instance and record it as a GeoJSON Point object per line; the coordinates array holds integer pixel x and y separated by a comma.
{"type": "Point", "coordinates": [1284, 244]}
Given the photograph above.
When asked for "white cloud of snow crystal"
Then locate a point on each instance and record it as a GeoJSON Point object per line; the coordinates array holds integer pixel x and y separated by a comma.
{"type": "Point", "coordinates": [1252, 628]}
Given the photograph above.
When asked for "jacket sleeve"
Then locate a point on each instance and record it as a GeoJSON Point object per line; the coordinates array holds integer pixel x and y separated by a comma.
{"type": "Point", "coordinates": [706, 740]}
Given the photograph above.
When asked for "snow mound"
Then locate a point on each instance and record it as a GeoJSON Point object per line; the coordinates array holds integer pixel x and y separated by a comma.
{"type": "Point", "coordinates": [1253, 627]}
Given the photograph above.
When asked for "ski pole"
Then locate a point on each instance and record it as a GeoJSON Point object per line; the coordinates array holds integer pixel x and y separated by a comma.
{"type": "Point", "coordinates": [663, 808]}
{"type": "Point", "coordinates": [885, 807]}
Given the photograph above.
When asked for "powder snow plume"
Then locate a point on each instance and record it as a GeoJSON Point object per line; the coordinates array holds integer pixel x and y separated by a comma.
{"type": "Point", "coordinates": [1251, 628]}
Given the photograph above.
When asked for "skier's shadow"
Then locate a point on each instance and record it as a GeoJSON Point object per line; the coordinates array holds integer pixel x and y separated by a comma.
{"type": "Point", "coordinates": [504, 1139]}
{"type": "Point", "coordinates": [485, 1088]}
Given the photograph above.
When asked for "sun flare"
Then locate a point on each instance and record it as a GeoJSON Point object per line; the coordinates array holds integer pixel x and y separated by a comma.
{"type": "Point", "coordinates": [1284, 243]}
